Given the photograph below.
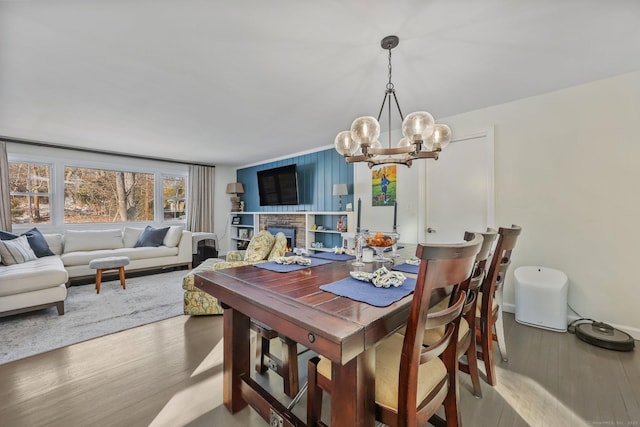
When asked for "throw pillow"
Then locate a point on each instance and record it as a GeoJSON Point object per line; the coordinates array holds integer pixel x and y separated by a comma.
{"type": "Point", "coordinates": [279, 247]}
{"type": "Point", "coordinates": [16, 251]}
{"type": "Point", "coordinates": [36, 240]}
{"type": "Point", "coordinates": [38, 243]}
{"type": "Point", "coordinates": [151, 237]}
{"type": "Point", "coordinates": [259, 247]}
{"type": "Point", "coordinates": [173, 236]}
{"type": "Point", "coordinates": [5, 235]}
{"type": "Point", "coordinates": [131, 236]}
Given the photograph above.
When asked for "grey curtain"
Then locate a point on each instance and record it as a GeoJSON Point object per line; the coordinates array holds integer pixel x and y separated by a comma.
{"type": "Point", "coordinates": [200, 198]}
{"type": "Point", "coordinates": [5, 203]}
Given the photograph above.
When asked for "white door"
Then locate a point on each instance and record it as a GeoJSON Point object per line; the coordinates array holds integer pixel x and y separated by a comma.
{"type": "Point", "coordinates": [459, 189]}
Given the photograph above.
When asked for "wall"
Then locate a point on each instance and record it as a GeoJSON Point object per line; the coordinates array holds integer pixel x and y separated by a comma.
{"type": "Point", "coordinates": [317, 172]}
{"type": "Point", "coordinates": [567, 172]}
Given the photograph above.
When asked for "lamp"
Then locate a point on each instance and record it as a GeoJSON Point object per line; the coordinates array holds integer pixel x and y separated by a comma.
{"type": "Point", "coordinates": [422, 138]}
{"type": "Point", "coordinates": [235, 188]}
{"type": "Point", "coordinates": [340, 190]}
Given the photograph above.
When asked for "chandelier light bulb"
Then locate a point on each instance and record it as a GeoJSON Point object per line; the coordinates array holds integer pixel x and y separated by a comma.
{"type": "Point", "coordinates": [440, 137]}
{"type": "Point", "coordinates": [376, 144]}
{"type": "Point", "coordinates": [365, 129]}
{"type": "Point", "coordinates": [418, 125]}
{"type": "Point", "coordinates": [404, 142]}
{"type": "Point", "coordinates": [344, 143]}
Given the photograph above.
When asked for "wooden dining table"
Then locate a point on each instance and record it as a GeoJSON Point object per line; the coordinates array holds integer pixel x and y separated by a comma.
{"type": "Point", "coordinates": [341, 329]}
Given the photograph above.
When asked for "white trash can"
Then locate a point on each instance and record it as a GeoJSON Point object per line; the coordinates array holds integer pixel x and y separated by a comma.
{"type": "Point", "coordinates": [541, 297]}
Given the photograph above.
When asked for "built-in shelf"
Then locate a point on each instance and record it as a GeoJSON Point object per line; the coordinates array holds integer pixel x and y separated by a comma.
{"type": "Point", "coordinates": [240, 234]}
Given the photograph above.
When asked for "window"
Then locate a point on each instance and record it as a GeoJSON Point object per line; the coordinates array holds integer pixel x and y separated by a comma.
{"type": "Point", "coordinates": [173, 197]}
{"type": "Point", "coordinates": [30, 193]}
{"type": "Point", "coordinates": [98, 195]}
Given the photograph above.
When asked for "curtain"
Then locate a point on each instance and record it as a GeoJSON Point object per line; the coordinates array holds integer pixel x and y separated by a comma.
{"type": "Point", "coordinates": [200, 198]}
{"type": "Point", "coordinates": [5, 203]}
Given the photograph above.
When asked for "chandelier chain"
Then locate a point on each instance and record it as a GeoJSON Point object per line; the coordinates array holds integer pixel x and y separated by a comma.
{"type": "Point", "coordinates": [390, 84]}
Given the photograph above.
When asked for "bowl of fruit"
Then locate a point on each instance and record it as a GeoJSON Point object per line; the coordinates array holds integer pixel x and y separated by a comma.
{"type": "Point", "coordinates": [380, 241]}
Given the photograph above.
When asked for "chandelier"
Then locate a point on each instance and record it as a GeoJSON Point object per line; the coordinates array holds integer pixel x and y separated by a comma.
{"type": "Point", "coordinates": [422, 138]}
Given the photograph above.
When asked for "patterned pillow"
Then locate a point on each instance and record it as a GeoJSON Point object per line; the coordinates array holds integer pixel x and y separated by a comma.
{"type": "Point", "coordinates": [16, 251]}
{"type": "Point", "coordinates": [260, 246]}
{"type": "Point", "coordinates": [279, 247]}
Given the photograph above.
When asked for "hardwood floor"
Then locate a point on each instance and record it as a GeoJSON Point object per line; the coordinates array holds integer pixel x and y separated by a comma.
{"type": "Point", "coordinates": [170, 374]}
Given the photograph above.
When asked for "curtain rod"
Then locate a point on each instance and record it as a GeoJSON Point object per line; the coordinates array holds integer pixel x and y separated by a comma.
{"type": "Point", "coordinates": [93, 151]}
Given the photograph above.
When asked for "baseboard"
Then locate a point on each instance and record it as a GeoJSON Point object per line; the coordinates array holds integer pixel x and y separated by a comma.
{"type": "Point", "coordinates": [571, 316]}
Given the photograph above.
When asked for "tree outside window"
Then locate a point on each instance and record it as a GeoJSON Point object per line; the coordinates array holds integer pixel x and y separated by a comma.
{"type": "Point", "coordinates": [174, 200]}
{"type": "Point", "coordinates": [97, 195]}
{"type": "Point", "coordinates": [30, 193]}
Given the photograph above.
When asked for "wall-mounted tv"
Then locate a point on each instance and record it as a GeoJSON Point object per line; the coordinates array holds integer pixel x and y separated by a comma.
{"type": "Point", "coordinates": [278, 186]}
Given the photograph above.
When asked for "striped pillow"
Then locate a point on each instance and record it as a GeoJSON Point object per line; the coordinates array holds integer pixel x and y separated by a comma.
{"type": "Point", "coordinates": [16, 251]}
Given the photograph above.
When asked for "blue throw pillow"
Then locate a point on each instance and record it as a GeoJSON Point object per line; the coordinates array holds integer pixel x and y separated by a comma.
{"type": "Point", "coordinates": [151, 237]}
{"type": "Point", "coordinates": [35, 238]}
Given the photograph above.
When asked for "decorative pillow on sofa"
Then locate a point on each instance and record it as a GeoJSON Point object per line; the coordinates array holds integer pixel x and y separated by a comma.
{"type": "Point", "coordinates": [172, 239]}
{"type": "Point", "coordinates": [36, 240]}
{"type": "Point", "coordinates": [260, 246]}
{"type": "Point", "coordinates": [131, 236]}
{"type": "Point", "coordinates": [279, 247]}
{"type": "Point", "coordinates": [16, 251]}
{"type": "Point", "coordinates": [151, 237]}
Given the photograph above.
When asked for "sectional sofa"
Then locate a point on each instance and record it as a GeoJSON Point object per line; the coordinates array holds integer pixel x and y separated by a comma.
{"type": "Point", "coordinates": [43, 282]}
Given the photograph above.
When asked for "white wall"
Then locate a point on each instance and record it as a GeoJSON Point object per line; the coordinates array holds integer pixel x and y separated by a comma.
{"type": "Point", "coordinates": [224, 175]}
{"type": "Point", "coordinates": [567, 171]}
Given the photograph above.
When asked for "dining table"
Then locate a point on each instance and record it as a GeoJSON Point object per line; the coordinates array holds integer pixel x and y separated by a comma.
{"type": "Point", "coordinates": [344, 330]}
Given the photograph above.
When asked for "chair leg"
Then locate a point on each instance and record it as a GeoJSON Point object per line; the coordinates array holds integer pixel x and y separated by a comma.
{"type": "Point", "coordinates": [290, 366]}
{"type": "Point", "coordinates": [472, 365]}
{"type": "Point", "coordinates": [451, 407]}
{"type": "Point", "coordinates": [314, 394]}
{"type": "Point", "coordinates": [262, 349]}
{"type": "Point", "coordinates": [486, 343]}
{"type": "Point", "coordinates": [499, 327]}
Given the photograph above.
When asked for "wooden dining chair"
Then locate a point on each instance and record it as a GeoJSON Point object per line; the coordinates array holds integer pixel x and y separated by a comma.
{"type": "Point", "coordinates": [412, 381]}
{"type": "Point", "coordinates": [489, 325]}
{"type": "Point", "coordinates": [466, 330]}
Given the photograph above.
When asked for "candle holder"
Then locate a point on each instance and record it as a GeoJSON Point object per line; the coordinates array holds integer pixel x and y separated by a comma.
{"type": "Point", "coordinates": [359, 243]}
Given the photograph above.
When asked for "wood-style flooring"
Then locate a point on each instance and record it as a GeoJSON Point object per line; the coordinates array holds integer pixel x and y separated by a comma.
{"type": "Point", "coordinates": [170, 374]}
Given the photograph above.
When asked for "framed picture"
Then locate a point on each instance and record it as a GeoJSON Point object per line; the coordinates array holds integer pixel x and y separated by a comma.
{"type": "Point", "coordinates": [243, 233]}
{"type": "Point", "coordinates": [383, 186]}
{"type": "Point", "coordinates": [235, 220]}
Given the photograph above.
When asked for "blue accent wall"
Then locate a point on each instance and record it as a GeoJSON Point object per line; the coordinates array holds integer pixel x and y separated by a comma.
{"type": "Point", "coordinates": [317, 172]}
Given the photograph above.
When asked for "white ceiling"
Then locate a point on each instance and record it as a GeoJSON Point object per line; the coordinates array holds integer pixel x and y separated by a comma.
{"type": "Point", "coordinates": [238, 82]}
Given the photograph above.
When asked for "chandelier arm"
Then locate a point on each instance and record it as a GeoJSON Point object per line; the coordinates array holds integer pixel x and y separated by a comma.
{"type": "Point", "coordinates": [384, 100]}
{"type": "Point", "coordinates": [398, 105]}
{"type": "Point", "coordinates": [390, 151]}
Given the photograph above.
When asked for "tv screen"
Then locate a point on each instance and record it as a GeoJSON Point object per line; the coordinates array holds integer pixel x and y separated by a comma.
{"type": "Point", "coordinates": [278, 186]}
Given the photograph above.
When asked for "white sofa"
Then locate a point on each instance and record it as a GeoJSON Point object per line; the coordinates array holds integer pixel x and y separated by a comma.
{"type": "Point", "coordinates": [43, 282]}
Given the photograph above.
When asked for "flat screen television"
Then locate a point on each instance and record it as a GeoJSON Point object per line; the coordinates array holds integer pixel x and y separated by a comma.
{"type": "Point", "coordinates": [278, 186]}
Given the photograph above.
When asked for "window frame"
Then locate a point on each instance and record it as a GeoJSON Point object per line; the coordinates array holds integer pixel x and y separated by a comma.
{"type": "Point", "coordinates": [48, 194]}
{"type": "Point", "coordinates": [57, 165]}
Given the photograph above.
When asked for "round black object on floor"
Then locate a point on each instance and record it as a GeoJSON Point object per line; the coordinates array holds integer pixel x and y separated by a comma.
{"type": "Point", "coordinates": [606, 336]}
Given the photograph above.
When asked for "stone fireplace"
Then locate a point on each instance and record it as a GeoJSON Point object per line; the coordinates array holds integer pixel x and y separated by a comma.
{"type": "Point", "coordinates": [292, 225]}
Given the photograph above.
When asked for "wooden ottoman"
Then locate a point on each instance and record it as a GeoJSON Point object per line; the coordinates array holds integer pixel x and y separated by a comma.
{"type": "Point", "coordinates": [106, 264]}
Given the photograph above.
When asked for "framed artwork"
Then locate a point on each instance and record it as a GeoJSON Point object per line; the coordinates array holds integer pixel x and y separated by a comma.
{"type": "Point", "coordinates": [235, 220]}
{"type": "Point", "coordinates": [383, 186]}
{"type": "Point", "coordinates": [243, 233]}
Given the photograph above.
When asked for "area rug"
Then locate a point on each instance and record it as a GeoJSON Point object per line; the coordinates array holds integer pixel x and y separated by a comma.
{"type": "Point", "coordinates": [89, 315]}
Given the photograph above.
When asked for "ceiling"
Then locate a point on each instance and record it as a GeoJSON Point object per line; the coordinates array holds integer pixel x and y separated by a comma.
{"type": "Point", "coordinates": [239, 82]}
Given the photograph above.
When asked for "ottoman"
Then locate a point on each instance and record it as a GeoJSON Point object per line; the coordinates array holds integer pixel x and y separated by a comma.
{"type": "Point", "coordinates": [106, 264]}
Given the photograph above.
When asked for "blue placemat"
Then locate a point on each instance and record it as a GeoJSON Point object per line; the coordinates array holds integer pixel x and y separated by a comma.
{"type": "Point", "coordinates": [406, 268]}
{"type": "Point", "coordinates": [333, 257]}
{"type": "Point", "coordinates": [285, 268]}
{"type": "Point", "coordinates": [366, 292]}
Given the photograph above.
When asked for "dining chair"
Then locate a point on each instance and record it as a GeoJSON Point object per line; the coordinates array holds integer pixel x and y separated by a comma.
{"type": "Point", "coordinates": [285, 364]}
{"type": "Point", "coordinates": [489, 324]}
{"type": "Point", "coordinates": [413, 381]}
{"type": "Point", "coordinates": [466, 330]}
